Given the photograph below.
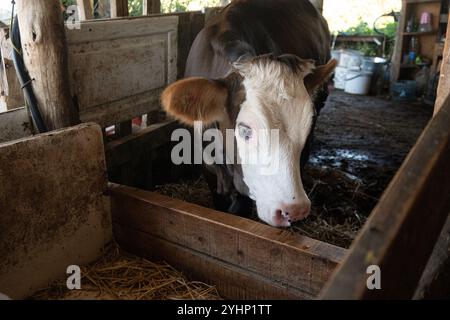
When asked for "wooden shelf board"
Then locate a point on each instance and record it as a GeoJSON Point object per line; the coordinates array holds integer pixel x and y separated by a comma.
{"type": "Point", "coordinates": [409, 66]}
{"type": "Point", "coordinates": [420, 33]}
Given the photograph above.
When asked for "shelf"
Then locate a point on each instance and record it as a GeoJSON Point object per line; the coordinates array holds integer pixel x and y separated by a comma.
{"type": "Point", "coordinates": [421, 1]}
{"type": "Point", "coordinates": [409, 66]}
{"type": "Point", "coordinates": [420, 33]}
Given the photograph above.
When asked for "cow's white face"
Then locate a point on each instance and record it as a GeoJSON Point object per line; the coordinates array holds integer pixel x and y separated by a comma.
{"type": "Point", "coordinates": [274, 120]}
{"type": "Point", "coordinates": [272, 127]}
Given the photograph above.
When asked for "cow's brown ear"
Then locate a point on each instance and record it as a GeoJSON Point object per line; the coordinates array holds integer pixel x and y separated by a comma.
{"type": "Point", "coordinates": [196, 99]}
{"type": "Point", "coordinates": [319, 75]}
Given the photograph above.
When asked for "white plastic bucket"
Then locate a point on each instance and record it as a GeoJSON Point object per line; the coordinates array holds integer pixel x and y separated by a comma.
{"type": "Point", "coordinates": [358, 82]}
{"type": "Point", "coordinates": [368, 64]}
{"type": "Point", "coordinates": [340, 75]}
{"type": "Point", "coordinates": [336, 55]}
{"type": "Point", "coordinates": [349, 59]}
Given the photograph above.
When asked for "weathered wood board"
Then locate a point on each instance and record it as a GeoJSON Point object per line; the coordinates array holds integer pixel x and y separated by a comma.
{"type": "Point", "coordinates": [444, 76]}
{"type": "Point", "coordinates": [15, 124]}
{"type": "Point", "coordinates": [53, 211]}
{"type": "Point", "coordinates": [11, 95]}
{"type": "Point", "coordinates": [243, 258]}
{"type": "Point", "coordinates": [119, 67]}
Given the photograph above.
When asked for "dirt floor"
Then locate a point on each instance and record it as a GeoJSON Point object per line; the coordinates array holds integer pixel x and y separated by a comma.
{"type": "Point", "coordinates": [360, 142]}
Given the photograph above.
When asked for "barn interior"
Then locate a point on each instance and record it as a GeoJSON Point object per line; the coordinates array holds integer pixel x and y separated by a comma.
{"type": "Point", "coordinates": [385, 121]}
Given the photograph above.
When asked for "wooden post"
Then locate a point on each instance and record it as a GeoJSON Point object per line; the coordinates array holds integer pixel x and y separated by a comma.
{"type": "Point", "coordinates": [119, 8]}
{"type": "Point", "coordinates": [151, 6]}
{"type": "Point", "coordinates": [45, 56]}
{"type": "Point", "coordinates": [444, 80]}
{"type": "Point", "coordinates": [85, 11]}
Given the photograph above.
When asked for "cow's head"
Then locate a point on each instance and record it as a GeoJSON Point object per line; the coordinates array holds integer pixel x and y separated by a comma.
{"type": "Point", "coordinates": [262, 95]}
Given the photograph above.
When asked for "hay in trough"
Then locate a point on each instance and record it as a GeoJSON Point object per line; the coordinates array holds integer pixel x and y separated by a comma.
{"type": "Point", "coordinates": [340, 206]}
{"type": "Point", "coordinates": [121, 276]}
{"type": "Point", "coordinates": [194, 191]}
{"type": "Point", "coordinates": [340, 203]}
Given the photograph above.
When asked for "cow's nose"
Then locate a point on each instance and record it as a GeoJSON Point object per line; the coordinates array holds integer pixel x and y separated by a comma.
{"type": "Point", "coordinates": [289, 213]}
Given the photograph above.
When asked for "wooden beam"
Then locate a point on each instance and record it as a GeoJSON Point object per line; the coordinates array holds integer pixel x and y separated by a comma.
{"type": "Point", "coordinates": [435, 281]}
{"type": "Point", "coordinates": [444, 80]}
{"type": "Point", "coordinates": [403, 228]}
{"type": "Point", "coordinates": [124, 128]}
{"type": "Point", "coordinates": [119, 8]}
{"type": "Point", "coordinates": [243, 258]}
{"type": "Point", "coordinates": [151, 7]}
{"type": "Point", "coordinates": [122, 151]}
{"type": "Point", "coordinates": [45, 55]}
{"type": "Point", "coordinates": [357, 38]}
{"type": "Point", "coordinates": [85, 11]}
{"type": "Point", "coordinates": [397, 55]}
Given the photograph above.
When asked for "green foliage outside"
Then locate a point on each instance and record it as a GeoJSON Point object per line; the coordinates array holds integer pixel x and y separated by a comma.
{"type": "Point", "coordinates": [67, 3]}
{"type": "Point", "coordinates": [135, 6]}
{"type": "Point", "coordinates": [371, 49]}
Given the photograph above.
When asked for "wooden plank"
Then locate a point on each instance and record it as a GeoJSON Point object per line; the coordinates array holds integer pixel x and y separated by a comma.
{"type": "Point", "coordinates": [151, 6]}
{"type": "Point", "coordinates": [121, 110]}
{"type": "Point", "coordinates": [403, 228]}
{"type": "Point", "coordinates": [85, 11]}
{"type": "Point", "coordinates": [11, 92]}
{"type": "Point", "coordinates": [45, 56]}
{"type": "Point", "coordinates": [397, 55]}
{"type": "Point", "coordinates": [118, 68]}
{"type": "Point", "coordinates": [190, 24]}
{"type": "Point", "coordinates": [435, 281]}
{"type": "Point", "coordinates": [15, 124]}
{"type": "Point", "coordinates": [357, 38]}
{"type": "Point", "coordinates": [136, 145]}
{"type": "Point", "coordinates": [54, 212]}
{"type": "Point", "coordinates": [124, 128]}
{"type": "Point", "coordinates": [230, 281]}
{"type": "Point", "coordinates": [444, 80]}
{"type": "Point", "coordinates": [119, 8]}
{"type": "Point", "coordinates": [298, 264]}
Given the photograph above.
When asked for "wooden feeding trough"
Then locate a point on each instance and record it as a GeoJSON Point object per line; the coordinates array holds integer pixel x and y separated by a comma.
{"type": "Point", "coordinates": [58, 209]}
{"type": "Point", "coordinates": [60, 215]}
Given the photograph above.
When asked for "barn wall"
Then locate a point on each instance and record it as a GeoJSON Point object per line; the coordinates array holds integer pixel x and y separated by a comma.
{"type": "Point", "coordinates": [15, 124]}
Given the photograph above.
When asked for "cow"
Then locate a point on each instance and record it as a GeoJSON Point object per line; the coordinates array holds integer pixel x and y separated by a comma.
{"type": "Point", "coordinates": [258, 65]}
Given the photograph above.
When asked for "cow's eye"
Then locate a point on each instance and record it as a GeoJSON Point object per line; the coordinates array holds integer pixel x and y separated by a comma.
{"type": "Point", "coordinates": [245, 132]}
